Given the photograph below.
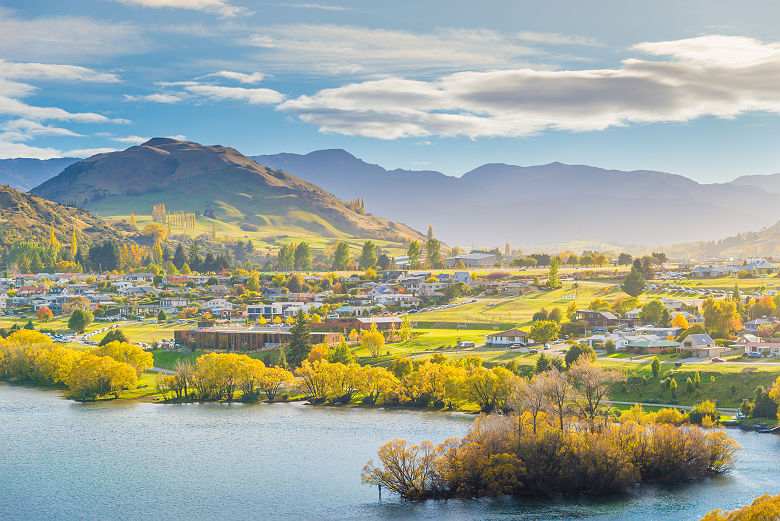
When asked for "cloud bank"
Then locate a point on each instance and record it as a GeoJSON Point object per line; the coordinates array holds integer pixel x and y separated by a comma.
{"type": "Point", "coordinates": [721, 76]}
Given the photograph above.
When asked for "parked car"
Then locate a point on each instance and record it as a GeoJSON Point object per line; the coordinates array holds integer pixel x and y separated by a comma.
{"type": "Point", "coordinates": [717, 360]}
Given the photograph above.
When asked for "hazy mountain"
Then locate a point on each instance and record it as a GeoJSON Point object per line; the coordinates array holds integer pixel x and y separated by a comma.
{"type": "Point", "coordinates": [769, 183]}
{"type": "Point", "coordinates": [216, 181]}
{"type": "Point", "coordinates": [545, 204]}
{"type": "Point", "coordinates": [29, 217]}
{"type": "Point", "coordinates": [24, 174]}
{"type": "Point", "coordinates": [763, 243]}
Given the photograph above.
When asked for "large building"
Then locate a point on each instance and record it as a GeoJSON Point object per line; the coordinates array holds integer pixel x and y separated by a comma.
{"type": "Point", "coordinates": [472, 260]}
{"type": "Point", "coordinates": [240, 339]}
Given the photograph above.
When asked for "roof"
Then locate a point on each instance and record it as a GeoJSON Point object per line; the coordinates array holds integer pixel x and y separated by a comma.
{"type": "Point", "coordinates": [701, 338]}
{"type": "Point", "coordinates": [606, 314]}
{"type": "Point", "coordinates": [653, 343]}
{"type": "Point", "coordinates": [379, 320]}
{"type": "Point", "coordinates": [511, 332]}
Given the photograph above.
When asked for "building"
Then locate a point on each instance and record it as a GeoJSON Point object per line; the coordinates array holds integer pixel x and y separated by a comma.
{"type": "Point", "coordinates": [472, 260]}
{"type": "Point", "coordinates": [505, 338]}
{"type": "Point", "coordinates": [275, 309]}
{"type": "Point", "coordinates": [243, 339]}
{"type": "Point", "coordinates": [595, 318]}
{"type": "Point", "coordinates": [701, 346]}
{"type": "Point", "coordinates": [761, 349]}
{"type": "Point", "coordinates": [653, 347]}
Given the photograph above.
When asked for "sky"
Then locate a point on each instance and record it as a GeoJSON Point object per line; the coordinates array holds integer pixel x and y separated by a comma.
{"type": "Point", "coordinates": [684, 87]}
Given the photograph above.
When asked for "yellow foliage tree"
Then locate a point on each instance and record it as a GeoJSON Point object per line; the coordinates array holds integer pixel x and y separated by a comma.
{"type": "Point", "coordinates": [372, 340]}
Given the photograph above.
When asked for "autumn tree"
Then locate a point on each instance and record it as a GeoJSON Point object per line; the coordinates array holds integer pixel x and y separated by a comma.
{"type": "Point", "coordinates": [44, 314]}
{"type": "Point", "coordinates": [126, 353]}
{"type": "Point", "coordinates": [372, 340]}
{"type": "Point", "coordinates": [553, 281]}
{"type": "Point", "coordinates": [592, 383]}
{"type": "Point", "coordinates": [721, 316]}
{"type": "Point", "coordinates": [544, 331]}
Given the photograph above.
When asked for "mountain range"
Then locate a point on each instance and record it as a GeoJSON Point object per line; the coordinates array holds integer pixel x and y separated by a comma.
{"type": "Point", "coordinates": [545, 204]}
{"type": "Point", "coordinates": [25, 173]}
{"type": "Point", "coordinates": [218, 182]}
{"type": "Point", "coordinates": [290, 194]}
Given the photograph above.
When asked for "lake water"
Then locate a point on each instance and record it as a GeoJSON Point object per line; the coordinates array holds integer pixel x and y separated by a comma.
{"type": "Point", "coordinates": [114, 461]}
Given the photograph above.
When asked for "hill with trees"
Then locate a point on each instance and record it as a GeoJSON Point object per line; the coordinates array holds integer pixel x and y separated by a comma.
{"type": "Point", "coordinates": [212, 181]}
{"type": "Point", "coordinates": [26, 217]}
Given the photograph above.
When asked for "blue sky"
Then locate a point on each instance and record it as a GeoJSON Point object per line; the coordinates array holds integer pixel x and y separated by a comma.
{"type": "Point", "coordinates": [684, 87]}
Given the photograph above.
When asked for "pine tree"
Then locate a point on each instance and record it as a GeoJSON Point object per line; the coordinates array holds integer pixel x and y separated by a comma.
{"type": "Point", "coordinates": [430, 232]}
{"type": "Point", "coordinates": [634, 283]}
{"type": "Point", "coordinates": [341, 257]}
{"type": "Point", "coordinates": [367, 255]}
{"type": "Point", "coordinates": [300, 342]}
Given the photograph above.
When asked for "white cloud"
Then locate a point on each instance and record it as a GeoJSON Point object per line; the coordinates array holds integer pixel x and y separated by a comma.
{"type": "Point", "coordinates": [255, 77]}
{"type": "Point", "coordinates": [334, 49]}
{"type": "Point", "coordinates": [50, 71]}
{"type": "Point", "coordinates": [11, 90]}
{"type": "Point", "coordinates": [556, 38]}
{"type": "Point", "coordinates": [24, 130]}
{"type": "Point", "coordinates": [160, 97]}
{"type": "Point", "coordinates": [219, 7]}
{"type": "Point", "coordinates": [14, 107]}
{"type": "Point", "coordinates": [323, 7]}
{"type": "Point", "coordinates": [130, 140]}
{"type": "Point", "coordinates": [715, 75]}
{"type": "Point", "coordinates": [178, 137]}
{"type": "Point", "coordinates": [253, 96]}
{"type": "Point", "coordinates": [9, 149]}
{"type": "Point", "coordinates": [86, 152]}
{"type": "Point", "coordinates": [65, 38]}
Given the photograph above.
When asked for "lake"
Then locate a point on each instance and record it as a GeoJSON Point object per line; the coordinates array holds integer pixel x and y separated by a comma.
{"type": "Point", "coordinates": [125, 460]}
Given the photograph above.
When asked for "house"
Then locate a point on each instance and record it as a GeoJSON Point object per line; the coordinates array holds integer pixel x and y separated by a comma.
{"type": "Point", "coordinates": [660, 332]}
{"type": "Point", "coordinates": [701, 346]}
{"type": "Point", "coordinates": [216, 305]}
{"type": "Point", "coordinates": [753, 325]}
{"type": "Point", "coordinates": [139, 277]}
{"type": "Point", "coordinates": [595, 318]}
{"type": "Point", "coordinates": [172, 304]}
{"type": "Point", "coordinates": [472, 260]}
{"type": "Point", "coordinates": [506, 338]}
{"type": "Point", "coordinates": [653, 347]}
{"type": "Point", "coordinates": [762, 349]}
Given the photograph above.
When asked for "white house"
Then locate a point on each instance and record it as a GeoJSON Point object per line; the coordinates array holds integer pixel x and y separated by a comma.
{"type": "Point", "coordinates": [513, 336]}
{"type": "Point", "coordinates": [217, 305]}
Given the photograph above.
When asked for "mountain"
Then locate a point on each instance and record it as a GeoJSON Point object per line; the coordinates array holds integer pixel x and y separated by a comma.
{"type": "Point", "coordinates": [545, 204]}
{"type": "Point", "coordinates": [763, 243]}
{"type": "Point", "coordinates": [232, 192]}
{"type": "Point", "coordinates": [769, 183]}
{"type": "Point", "coordinates": [24, 174]}
{"type": "Point", "coordinates": [29, 217]}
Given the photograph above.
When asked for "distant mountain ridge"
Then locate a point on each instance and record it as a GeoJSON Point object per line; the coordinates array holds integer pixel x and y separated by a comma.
{"type": "Point", "coordinates": [216, 181]}
{"type": "Point", "coordinates": [25, 173]}
{"type": "Point", "coordinates": [544, 204]}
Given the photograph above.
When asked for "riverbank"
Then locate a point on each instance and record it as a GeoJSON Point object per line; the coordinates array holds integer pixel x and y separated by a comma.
{"type": "Point", "coordinates": [132, 459]}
